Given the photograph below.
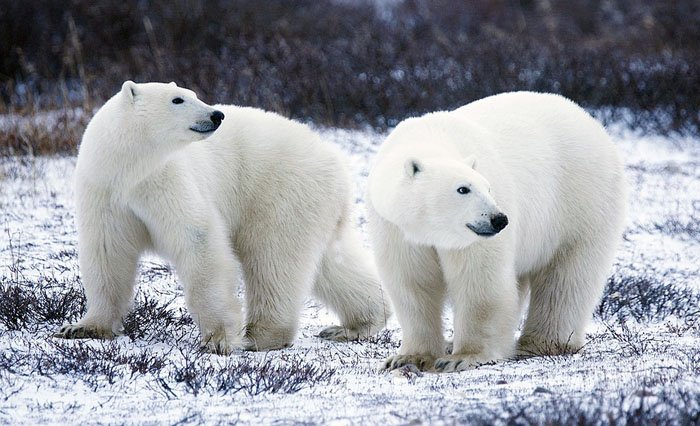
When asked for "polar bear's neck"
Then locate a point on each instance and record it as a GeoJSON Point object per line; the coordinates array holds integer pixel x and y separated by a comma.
{"type": "Point", "coordinates": [116, 148]}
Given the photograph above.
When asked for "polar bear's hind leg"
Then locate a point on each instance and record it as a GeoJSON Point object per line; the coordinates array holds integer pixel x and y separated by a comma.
{"type": "Point", "coordinates": [278, 276]}
{"type": "Point", "coordinates": [563, 296]}
{"type": "Point", "coordinates": [348, 283]}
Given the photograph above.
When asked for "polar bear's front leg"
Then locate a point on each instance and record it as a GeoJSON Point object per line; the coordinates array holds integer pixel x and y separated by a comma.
{"type": "Point", "coordinates": [485, 300]}
{"type": "Point", "coordinates": [108, 275]}
{"type": "Point", "coordinates": [412, 277]}
{"type": "Point", "coordinates": [109, 245]}
{"type": "Point", "coordinates": [418, 301]}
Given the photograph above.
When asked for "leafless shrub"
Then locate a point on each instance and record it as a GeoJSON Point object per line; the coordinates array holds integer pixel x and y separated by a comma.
{"type": "Point", "coordinates": [683, 228]}
{"type": "Point", "coordinates": [245, 374]}
{"type": "Point", "coordinates": [342, 63]}
{"type": "Point", "coordinates": [632, 342]}
{"type": "Point", "coordinates": [645, 297]}
{"type": "Point", "coordinates": [15, 309]}
{"type": "Point", "coordinates": [34, 305]}
{"type": "Point", "coordinates": [153, 321]}
{"type": "Point", "coordinates": [641, 406]}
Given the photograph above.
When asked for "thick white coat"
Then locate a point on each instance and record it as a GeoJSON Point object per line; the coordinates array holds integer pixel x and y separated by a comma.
{"type": "Point", "coordinates": [263, 195]}
{"type": "Point", "coordinates": [545, 163]}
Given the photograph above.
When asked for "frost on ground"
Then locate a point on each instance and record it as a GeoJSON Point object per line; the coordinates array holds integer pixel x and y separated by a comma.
{"type": "Point", "coordinates": [642, 362]}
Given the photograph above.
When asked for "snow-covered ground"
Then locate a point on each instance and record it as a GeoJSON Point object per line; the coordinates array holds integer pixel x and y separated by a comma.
{"type": "Point", "coordinates": [642, 362]}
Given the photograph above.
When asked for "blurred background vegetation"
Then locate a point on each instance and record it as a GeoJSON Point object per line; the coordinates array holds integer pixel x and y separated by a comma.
{"type": "Point", "coordinates": [347, 63]}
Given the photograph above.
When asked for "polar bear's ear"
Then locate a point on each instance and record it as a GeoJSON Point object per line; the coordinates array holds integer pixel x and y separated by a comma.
{"type": "Point", "coordinates": [129, 90]}
{"type": "Point", "coordinates": [412, 167]}
{"type": "Point", "coordinates": [470, 161]}
{"type": "Point", "coordinates": [172, 83]}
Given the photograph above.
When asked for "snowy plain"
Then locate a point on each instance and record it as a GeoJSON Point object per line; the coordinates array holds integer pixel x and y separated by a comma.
{"type": "Point", "coordinates": [641, 363]}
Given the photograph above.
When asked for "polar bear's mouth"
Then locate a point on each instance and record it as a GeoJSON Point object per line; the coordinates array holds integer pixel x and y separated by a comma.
{"type": "Point", "coordinates": [204, 127]}
{"type": "Point", "coordinates": [482, 231]}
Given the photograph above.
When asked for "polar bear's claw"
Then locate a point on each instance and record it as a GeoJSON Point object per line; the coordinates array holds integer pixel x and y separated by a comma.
{"type": "Point", "coordinates": [423, 362]}
{"type": "Point", "coordinates": [446, 365]}
{"type": "Point", "coordinates": [454, 363]}
{"type": "Point", "coordinates": [74, 331]}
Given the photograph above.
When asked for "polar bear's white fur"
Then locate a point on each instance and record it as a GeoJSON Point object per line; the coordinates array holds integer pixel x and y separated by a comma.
{"type": "Point", "coordinates": [262, 194]}
{"type": "Point", "coordinates": [535, 167]}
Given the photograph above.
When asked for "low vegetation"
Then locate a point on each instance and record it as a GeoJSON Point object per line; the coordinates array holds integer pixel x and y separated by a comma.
{"type": "Point", "coordinates": [349, 64]}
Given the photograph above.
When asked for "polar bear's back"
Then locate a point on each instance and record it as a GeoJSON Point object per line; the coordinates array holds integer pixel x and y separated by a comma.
{"type": "Point", "coordinates": [262, 159]}
{"type": "Point", "coordinates": [546, 140]}
{"type": "Point", "coordinates": [265, 145]}
{"type": "Point", "coordinates": [558, 121]}
{"type": "Point", "coordinates": [565, 176]}
{"type": "Point", "coordinates": [253, 131]}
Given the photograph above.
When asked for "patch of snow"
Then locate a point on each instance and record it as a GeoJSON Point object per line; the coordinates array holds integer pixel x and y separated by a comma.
{"type": "Point", "coordinates": [623, 365]}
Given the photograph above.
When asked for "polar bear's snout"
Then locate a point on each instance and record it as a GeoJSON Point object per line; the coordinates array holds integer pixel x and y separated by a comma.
{"type": "Point", "coordinates": [208, 126]}
{"type": "Point", "coordinates": [495, 224]}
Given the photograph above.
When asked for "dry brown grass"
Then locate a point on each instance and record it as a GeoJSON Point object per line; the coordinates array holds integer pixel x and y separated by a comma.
{"type": "Point", "coordinates": [42, 132]}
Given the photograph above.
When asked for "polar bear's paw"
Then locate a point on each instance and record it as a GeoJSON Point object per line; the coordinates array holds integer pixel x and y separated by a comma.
{"type": "Point", "coordinates": [454, 363]}
{"type": "Point", "coordinates": [258, 338]}
{"type": "Point", "coordinates": [218, 347]}
{"type": "Point", "coordinates": [257, 344]}
{"type": "Point", "coordinates": [77, 331]}
{"type": "Point", "coordinates": [220, 343]}
{"type": "Point", "coordinates": [530, 346]}
{"type": "Point", "coordinates": [338, 333]}
{"type": "Point", "coordinates": [423, 362]}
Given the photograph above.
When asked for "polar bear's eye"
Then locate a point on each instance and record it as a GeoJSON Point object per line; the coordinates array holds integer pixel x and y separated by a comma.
{"type": "Point", "coordinates": [463, 190]}
{"type": "Point", "coordinates": [178, 100]}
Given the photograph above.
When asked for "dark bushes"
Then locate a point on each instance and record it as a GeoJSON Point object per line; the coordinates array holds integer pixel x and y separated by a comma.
{"type": "Point", "coordinates": [358, 63]}
{"type": "Point", "coordinates": [645, 298]}
{"type": "Point", "coordinates": [32, 305]}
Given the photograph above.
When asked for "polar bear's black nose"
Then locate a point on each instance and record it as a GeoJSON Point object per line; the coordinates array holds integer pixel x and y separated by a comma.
{"type": "Point", "coordinates": [216, 117]}
{"type": "Point", "coordinates": [499, 221]}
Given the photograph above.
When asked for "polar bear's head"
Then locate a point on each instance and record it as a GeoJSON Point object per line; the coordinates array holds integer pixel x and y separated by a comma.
{"type": "Point", "coordinates": [448, 204]}
{"type": "Point", "coordinates": [167, 114]}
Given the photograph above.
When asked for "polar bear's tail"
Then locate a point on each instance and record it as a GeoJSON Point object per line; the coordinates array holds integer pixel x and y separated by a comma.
{"type": "Point", "coordinates": [348, 283]}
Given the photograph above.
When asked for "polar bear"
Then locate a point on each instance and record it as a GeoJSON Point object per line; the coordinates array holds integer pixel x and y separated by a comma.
{"type": "Point", "coordinates": [515, 195]}
{"type": "Point", "coordinates": [261, 194]}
